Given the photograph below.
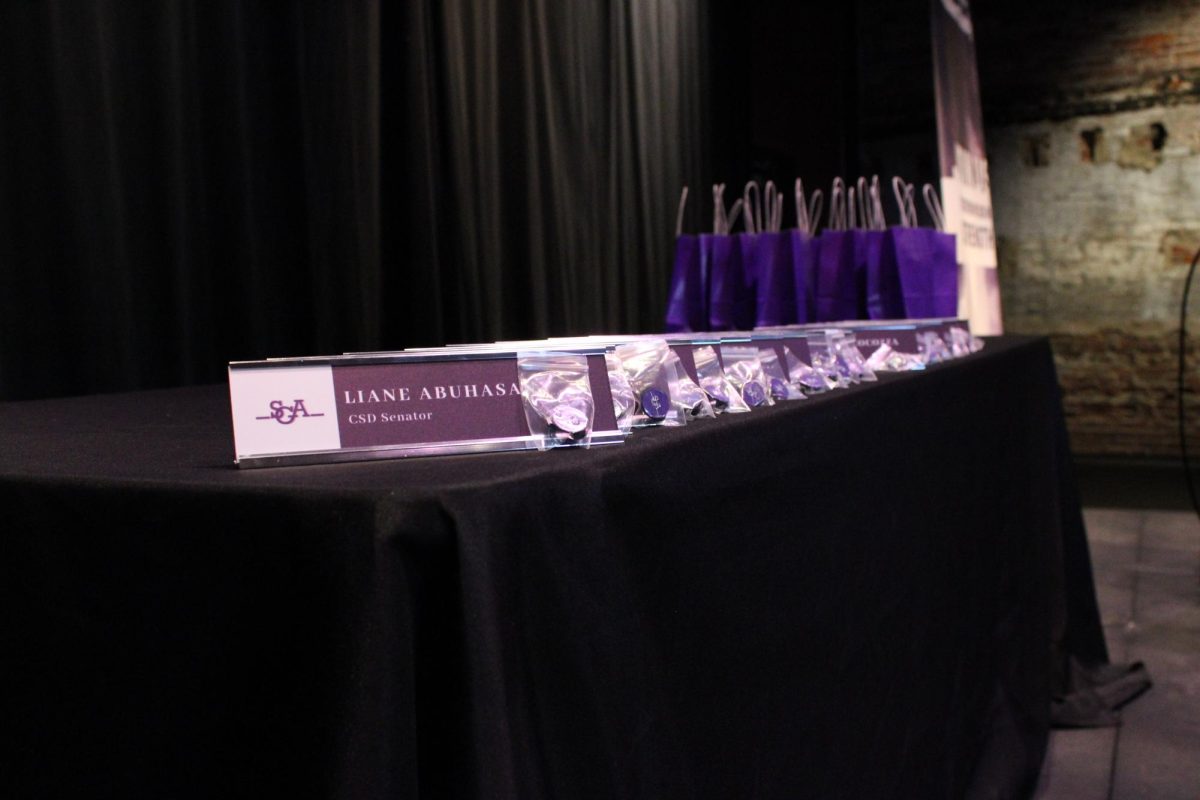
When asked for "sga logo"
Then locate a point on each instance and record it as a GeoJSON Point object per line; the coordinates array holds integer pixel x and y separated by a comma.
{"type": "Point", "coordinates": [285, 414]}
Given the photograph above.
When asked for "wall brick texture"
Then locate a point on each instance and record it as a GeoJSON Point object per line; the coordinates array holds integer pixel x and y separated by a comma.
{"type": "Point", "coordinates": [1093, 133]}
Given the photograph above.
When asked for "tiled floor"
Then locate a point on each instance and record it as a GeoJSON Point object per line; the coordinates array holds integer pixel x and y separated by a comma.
{"type": "Point", "coordinates": [1147, 566]}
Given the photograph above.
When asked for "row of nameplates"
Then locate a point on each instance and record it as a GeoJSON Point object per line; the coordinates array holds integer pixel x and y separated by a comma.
{"type": "Point", "coordinates": [560, 392]}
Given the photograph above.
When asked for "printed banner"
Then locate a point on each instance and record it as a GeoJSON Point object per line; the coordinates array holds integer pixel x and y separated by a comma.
{"type": "Point", "coordinates": [966, 188]}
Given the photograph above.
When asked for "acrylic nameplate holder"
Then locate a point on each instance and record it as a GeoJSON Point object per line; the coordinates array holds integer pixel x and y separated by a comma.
{"type": "Point", "coordinates": [392, 405]}
{"type": "Point", "coordinates": [940, 325]}
{"type": "Point", "coordinates": [900, 335]}
{"type": "Point", "coordinates": [901, 338]}
{"type": "Point", "coordinates": [682, 344]}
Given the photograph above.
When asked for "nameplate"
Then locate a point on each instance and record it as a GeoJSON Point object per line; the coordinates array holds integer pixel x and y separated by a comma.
{"type": "Point", "coordinates": [350, 408]}
{"type": "Point", "coordinates": [902, 339]}
{"type": "Point", "coordinates": [900, 335]}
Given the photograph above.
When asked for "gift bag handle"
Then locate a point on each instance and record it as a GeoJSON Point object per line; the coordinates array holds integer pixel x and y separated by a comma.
{"type": "Point", "coordinates": [934, 204]}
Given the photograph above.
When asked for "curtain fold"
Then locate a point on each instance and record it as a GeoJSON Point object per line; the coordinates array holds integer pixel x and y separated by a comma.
{"type": "Point", "coordinates": [567, 131]}
{"type": "Point", "coordinates": [187, 183]}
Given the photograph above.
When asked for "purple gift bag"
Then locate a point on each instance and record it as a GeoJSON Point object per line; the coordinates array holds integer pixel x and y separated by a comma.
{"type": "Point", "coordinates": [868, 253]}
{"type": "Point", "coordinates": [837, 284]}
{"type": "Point", "coordinates": [926, 260]}
{"type": "Point", "coordinates": [775, 283]}
{"type": "Point", "coordinates": [804, 274]}
{"type": "Point", "coordinates": [945, 275]}
{"type": "Point", "coordinates": [885, 299]}
{"type": "Point", "coordinates": [944, 265]}
{"type": "Point", "coordinates": [731, 290]}
{"type": "Point", "coordinates": [927, 269]}
{"type": "Point", "coordinates": [805, 246]}
{"type": "Point", "coordinates": [874, 257]}
{"type": "Point", "coordinates": [771, 264]}
{"type": "Point", "coordinates": [686, 301]}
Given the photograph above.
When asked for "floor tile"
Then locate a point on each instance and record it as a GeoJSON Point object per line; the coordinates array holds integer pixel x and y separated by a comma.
{"type": "Point", "coordinates": [1116, 604]}
{"type": "Point", "coordinates": [1116, 636]}
{"type": "Point", "coordinates": [1112, 525]}
{"type": "Point", "coordinates": [1169, 600]}
{"type": "Point", "coordinates": [1116, 553]}
{"type": "Point", "coordinates": [1172, 654]}
{"type": "Point", "coordinates": [1175, 529]}
{"type": "Point", "coordinates": [1078, 763]}
{"type": "Point", "coordinates": [1115, 575]}
{"type": "Point", "coordinates": [1158, 745]}
{"type": "Point", "coordinates": [1147, 572]}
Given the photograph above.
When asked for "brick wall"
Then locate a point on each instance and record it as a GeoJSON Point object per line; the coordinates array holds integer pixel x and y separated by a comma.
{"type": "Point", "coordinates": [1094, 143]}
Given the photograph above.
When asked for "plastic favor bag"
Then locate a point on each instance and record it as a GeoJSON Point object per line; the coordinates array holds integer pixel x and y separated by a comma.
{"type": "Point", "coordinates": [961, 342]}
{"type": "Point", "coordinates": [745, 373]}
{"type": "Point", "coordinates": [885, 359]}
{"type": "Point", "coordinates": [777, 377]}
{"type": "Point", "coordinates": [715, 384]}
{"type": "Point", "coordinates": [689, 399]}
{"type": "Point", "coordinates": [848, 349]}
{"type": "Point", "coordinates": [624, 403]}
{"type": "Point", "coordinates": [932, 348]}
{"type": "Point", "coordinates": [647, 366]}
{"type": "Point", "coordinates": [826, 362]}
{"type": "Point", "coordinates": [804, 377]}
{"type": "Point", "coordinates": [556, 391]}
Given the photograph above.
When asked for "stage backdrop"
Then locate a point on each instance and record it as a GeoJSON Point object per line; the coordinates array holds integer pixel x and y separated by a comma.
{"type": "Point", "coordinates": [186, 183]}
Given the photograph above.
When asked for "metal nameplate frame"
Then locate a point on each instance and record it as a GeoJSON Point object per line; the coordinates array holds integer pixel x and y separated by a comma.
{"type": "Point", "coordinates": [331, 409]}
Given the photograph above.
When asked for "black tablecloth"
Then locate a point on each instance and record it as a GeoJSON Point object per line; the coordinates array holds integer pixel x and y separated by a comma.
{"type": "Point", "coordinates": [854, 596]}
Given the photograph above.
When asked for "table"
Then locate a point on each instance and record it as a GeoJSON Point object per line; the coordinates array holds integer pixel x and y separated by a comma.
{"type": "Point", "coordinates": [862, 595]}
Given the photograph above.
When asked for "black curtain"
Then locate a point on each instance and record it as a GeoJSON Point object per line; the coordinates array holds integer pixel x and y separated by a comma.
{"type": "Point", "coordinates": [187, 183]}
{"type": "Point", "coordinates": [545, 146]}
{"type": "Point", "coordinates": [182, 184]}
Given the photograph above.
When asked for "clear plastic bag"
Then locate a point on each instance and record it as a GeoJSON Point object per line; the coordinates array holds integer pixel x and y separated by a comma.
{"type": "Point", "coordinates": [624, 403]}
{"type": "Point", "coordinates": [744, 370]}
{"type": "Point", "coordinates": [690, 399]}
{"type": "Point", "coordinates": [932, 348]}
{"type": "Point", "coordinates": [777, 377]}
{"type": "Point", "coordinates": [804, 377]}
{"type": "Point", "coordinates": [647, 366]}
{"type": "Point", "coordinates": [825, 361]}
{"type": "Point", "coordinates": [885, 359]}
{"type": "Point", "coordinates": [556, 391]}
{"type": "Point", "coordinates": [714, 382]}
{"type": "Point", "coordinates": [962, 343]}
{"type": "Point", "coordinates": [847, 345]}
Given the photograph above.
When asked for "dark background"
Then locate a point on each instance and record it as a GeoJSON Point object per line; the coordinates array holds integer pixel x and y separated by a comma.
{"type": "Point", "coordinates": [185, 184]}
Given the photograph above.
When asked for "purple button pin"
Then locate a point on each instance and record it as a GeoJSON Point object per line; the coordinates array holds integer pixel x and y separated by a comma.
{"type": "Point", "coordinates": [715, 390]}
{"type": "Point", "coordinates": [655, 403]}
{"type": "Point", "coordinates": [569, 419]}
{"type": "Point", "coordinates": [753, 394]}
